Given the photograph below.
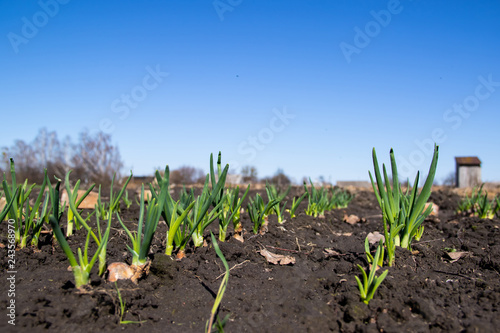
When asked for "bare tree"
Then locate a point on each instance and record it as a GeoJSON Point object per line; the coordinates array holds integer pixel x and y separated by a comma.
{"type": "Point", "coordinates": [450, 179]}
{"type": "Point", "coordinates": [93, 159]}
{"type": "Point", "coordinates": [96, 159]}
{"type": "Point", "coordinates": [25, 162]}
{"type": "Point", "coordinates": [187, 175]}
{"type": "Point", "coordinates": [249, 174]}
{"type": "Point", "coordinates": [279, 179]}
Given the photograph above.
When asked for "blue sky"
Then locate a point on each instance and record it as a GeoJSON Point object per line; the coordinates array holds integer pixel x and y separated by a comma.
{"type": "Point", "coordinates": [306, 86]}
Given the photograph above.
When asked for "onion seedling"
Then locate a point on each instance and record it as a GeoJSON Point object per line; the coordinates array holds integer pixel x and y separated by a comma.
{"type": "Point", "coordinates": [185, 197]}
{"type": "Point", "coordinates": [141, 240]}
{"type": "Point", "coordinates": [318, 201]}
{"type": "Point", "coordinates": [174, 222]}
{"type": "Point", "coordinates": [217, 188]}
{"type": "Point", "coordinates": [370, 282]}
{"type": "Point", "coordinates": [6, 208]}
{"type": "Point", "coordinates": [20, 194]}
{"type": "Point", "coordinates": [123, 309]}
{"type": "Point", "coordinates": [28, 222]}
{"type": "Point", "coordinates": [479, 205]}
{"type": "Point", "coordinates": [232, 197]}
{"type": "Point", "coordinates": [497, 207]}
{"type": "Point", "coordinates": [339, 199]}
{"type": "Point", "coordinates": [75, 201]}
{"type": "Point", "coordinates": [295, 204]}
{"type": "Point", "coordinates": [469, 204]}
{"type": "Point", "coordinates": [114, 202]}
{"type": "Point", "coordinates": [404, 212]}
{"type": "Point", "coordinates": [258, 212]}
{"type": "Point", "coordinates": [231, 208]}
{"type": "Point", "coordinates": [126, 200]}
{"type": "Point", "coordinates": [222, 288]}
{"type": "Point", "coordinates": [485, 208]}
{"type": "Point", "coordinates": [198, 214]}
{"type": "Point", "coordinates": [369, 256]}
{"type": "Point", "coordinates": [30, 215]}
{"type": "Point", "coordinates": [217, 195]}
{"type": "Point", "coordinates": [272, 194]}
{"type": "Point", "coordinates": [81, 268]}
{"type": "Point", "coordinates": [40, 219]}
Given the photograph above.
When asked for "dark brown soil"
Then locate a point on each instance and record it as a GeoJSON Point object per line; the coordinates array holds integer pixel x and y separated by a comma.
{"type": "Point", "coordinates": [423, 292]}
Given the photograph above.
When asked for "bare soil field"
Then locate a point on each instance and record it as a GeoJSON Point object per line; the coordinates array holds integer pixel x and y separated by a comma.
{"type": "Point", "coordinates": [425, 291]}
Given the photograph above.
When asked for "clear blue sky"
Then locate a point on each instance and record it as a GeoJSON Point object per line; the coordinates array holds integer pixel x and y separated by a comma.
{"type": "Point", "coordinates": [343, 76]}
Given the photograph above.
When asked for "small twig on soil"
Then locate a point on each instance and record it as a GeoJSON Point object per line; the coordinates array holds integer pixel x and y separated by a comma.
{"type": "Point", "coordinates": [252, 237]}
{"type": "Point", "coordinates": [287, 250]}
{"type": "Point", "coordinates": [373, 216]}
{"type": "Point", "coordinates": [235, 266]}
{"type": "Point", "coordinates": [298, 245]}
{"type": "Point", "coordinates": [433, 240]}
{"type": "Point", "coordinates": [326, 225]}
{"type": "Point", "coordinates": [456, 274]}
{"type": "Point", "coordinates": [279, 248]}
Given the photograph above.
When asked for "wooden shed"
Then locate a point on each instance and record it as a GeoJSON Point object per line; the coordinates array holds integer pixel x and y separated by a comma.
{"type": "Point", "coordinates": [468, 171]}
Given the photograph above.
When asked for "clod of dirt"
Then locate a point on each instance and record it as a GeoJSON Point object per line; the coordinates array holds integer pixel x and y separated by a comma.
{"type": "Point", "coordinates": [277, 259]}
{"type": "Point", "coordinates": [164, 266]}
{"type": "Point", "coordinates": [356, 311]}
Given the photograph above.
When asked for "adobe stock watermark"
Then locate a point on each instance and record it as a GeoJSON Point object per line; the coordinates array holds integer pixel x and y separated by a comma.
{"type": "Point", "coordinates": [31, 26]}
{"type": "Point", "coordinates": [11, 273]}
{"type": "Point", "coordinates": [454, 118]}
{"type": "Point", "coordinates": [122, 106]}
{"type": "Point", "coordinates": [222, 6]}
{"type": "Point", "coordinates": [363, 37]}
{"type": "Point", "coordinates": [253, 144]}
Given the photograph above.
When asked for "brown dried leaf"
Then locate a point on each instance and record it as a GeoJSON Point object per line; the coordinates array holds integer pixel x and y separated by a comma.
{"type": "Point", "coordinates": [351, 219]}
{"type": "Point", "coordinates": [238, 237]}
{"type": "Point", "coordinates": [374, 237]}
{"type": "Point", "coordinates": [454, 256]}
{"type": "Point", "coordinates": [277, 259]}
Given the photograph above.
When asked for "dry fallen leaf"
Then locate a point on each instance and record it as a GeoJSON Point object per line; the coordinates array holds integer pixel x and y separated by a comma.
{"type": "Point", "coordinates": [374, 237]}
{"type": "Point", "coordinates": [277, 259]}
{"type": "Point", "coordinates": [238, 237]}
{"type": "Point", "coordinates": [351, 219]}
{"type": "Point", "coordinates": [454, 256]}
